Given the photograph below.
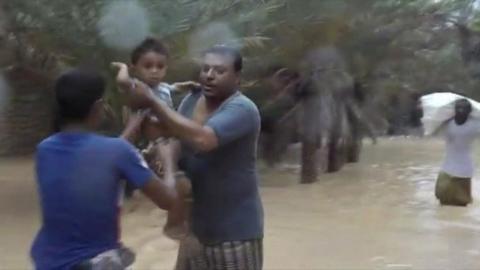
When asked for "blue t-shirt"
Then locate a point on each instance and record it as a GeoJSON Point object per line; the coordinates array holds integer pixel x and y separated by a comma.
{"type": "Point", "coordinates": [79, 177]}
{"type": "Point", "coordinates": [226, 201]}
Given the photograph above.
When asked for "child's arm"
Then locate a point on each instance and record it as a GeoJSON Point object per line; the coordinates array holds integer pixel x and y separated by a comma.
{"type": "Point", "coordinates": [176, 227]}
{"type": "Point", "coordinates": [184, 86]}
{"type": "Point", "coordinates": [133, 126]}
{"type": "Point", "coordinates": [123, 79]}
{"type": "Point", "coordinates": [128, 84]}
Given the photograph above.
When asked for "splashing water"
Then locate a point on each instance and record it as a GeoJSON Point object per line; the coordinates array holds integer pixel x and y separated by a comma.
{"type": "Point", "coordinates": [215, 33]}
{"type": "Point", "coordinates": [123, 24]}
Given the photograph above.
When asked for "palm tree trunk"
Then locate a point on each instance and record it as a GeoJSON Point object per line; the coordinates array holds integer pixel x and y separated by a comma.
{"type": "Point", "coordinates": [337, 151]}
{"type": "Point", "coordinates": [309, 162]}
{"type": "Point", "coordinates": [27, 116]}
{"type": "Point", "coordinates": [353, 150]}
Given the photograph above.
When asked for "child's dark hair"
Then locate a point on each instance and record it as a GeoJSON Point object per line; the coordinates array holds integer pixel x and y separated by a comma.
{"type": "Point", "coordinates": [76, 91]}
{"type": "Point", "coordinates": [149, 44]}
{"type": "Point", "coordinates": [230, 51]}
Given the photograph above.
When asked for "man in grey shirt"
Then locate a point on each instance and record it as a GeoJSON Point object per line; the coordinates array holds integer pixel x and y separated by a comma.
{"type": "Point", "coordinates": [218, 128]}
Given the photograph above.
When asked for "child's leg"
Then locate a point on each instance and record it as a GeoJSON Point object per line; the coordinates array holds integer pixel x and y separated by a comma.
{"type": "Point", "coordinates": [177, 224]}
{"type": "Point", "coordinates": [151, 156]}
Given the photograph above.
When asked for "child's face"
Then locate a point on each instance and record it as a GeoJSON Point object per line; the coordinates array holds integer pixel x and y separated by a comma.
{"type": "Point", "coordinates": [151, 68]}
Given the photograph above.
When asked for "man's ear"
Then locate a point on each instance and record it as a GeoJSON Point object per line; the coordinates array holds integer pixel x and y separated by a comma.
{"type": "Point", "coordinates": [239, 78]}
{"type": "Point", "coordinates": [131, 69]}
{"type": "Point", "coordinates": [97, 112]}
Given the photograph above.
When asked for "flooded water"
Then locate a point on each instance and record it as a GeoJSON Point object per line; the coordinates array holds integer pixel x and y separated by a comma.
{"type": "Point", "coordinates": [378, 214]}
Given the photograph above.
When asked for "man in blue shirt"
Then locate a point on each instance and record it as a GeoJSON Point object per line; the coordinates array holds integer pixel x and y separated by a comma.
{"type": "Point", "coordinates": [218, 128]}
{"type": "Point", "coordinates": [80, 176]}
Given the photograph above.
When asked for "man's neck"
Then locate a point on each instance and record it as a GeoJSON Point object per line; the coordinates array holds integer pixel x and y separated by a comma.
{"type": "Point", "coordinates": [76, 127]}
{"type": "Point", "coordinates": [214, 103]}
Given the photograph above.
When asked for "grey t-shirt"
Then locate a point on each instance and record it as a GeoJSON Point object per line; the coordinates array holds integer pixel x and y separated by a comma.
{"type": "Point", "coordinates": [227, 205]}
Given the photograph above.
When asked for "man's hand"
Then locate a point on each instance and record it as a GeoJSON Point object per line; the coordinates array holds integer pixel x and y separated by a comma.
{"type": "Point", "coordinates": [140, 96]}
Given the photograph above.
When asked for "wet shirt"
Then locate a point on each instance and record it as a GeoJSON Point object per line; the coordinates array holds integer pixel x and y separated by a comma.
{"type": "Point", "coordinates": [459, 142]}
{"type": "Point", "coordinates": [227, 204]}
{"type": "Point", "coordinates": [80, 182]}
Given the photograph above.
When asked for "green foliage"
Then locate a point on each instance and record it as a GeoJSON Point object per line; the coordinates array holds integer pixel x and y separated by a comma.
{"type": "Point", "coordinates": [407, 45]}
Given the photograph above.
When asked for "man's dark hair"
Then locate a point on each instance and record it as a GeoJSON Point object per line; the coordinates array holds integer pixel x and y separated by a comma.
{"type": "Point", "coordinates": [149, 44]}
{"type": "Point", "coordinates": [76, 91]}
{"type": "Point", "coordinates": [229, 51]}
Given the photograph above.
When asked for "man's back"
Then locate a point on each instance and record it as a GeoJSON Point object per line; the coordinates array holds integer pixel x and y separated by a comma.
{"type": "Point", "coordinates": [78, 176]}
{"type": "Point", "coordinates": [459, 139]}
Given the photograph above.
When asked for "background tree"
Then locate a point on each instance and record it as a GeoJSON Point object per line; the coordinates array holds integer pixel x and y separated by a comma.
{"type": "Point", "coordinates": [392, 50]}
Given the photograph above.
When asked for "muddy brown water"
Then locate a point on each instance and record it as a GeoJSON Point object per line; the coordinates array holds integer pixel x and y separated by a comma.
{"type": "Point", "coordinates": [378, 214]}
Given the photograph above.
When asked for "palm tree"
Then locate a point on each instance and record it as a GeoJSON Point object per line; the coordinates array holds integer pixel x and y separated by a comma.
{"type": "Point", "coordinates": [366, 34]}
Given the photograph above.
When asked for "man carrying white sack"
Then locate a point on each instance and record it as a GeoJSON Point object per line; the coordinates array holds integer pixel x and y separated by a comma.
{"type": "Point", "coordinates": [453, 185]}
